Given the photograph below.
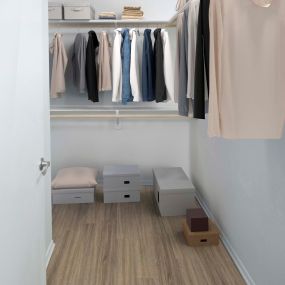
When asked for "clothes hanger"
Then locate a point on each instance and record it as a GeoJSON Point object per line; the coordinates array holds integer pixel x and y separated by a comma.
{"type": "Point", "coordinates": [263, 3]}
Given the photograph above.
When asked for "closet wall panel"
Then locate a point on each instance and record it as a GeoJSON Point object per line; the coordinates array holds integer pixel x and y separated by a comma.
{"type": "Point", "coordinates": [97, 143]}
{"type": "Point", "coordinates": [243, 185]}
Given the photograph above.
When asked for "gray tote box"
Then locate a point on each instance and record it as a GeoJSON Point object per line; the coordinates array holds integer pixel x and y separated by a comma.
{"type": "Point", "coordinates": [173, 190]}
{"type": "Point", "coordinates": [121, 183]}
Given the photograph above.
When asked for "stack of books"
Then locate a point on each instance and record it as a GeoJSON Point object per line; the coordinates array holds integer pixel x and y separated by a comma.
{"type": "Point", "coordinates": [132, 13]}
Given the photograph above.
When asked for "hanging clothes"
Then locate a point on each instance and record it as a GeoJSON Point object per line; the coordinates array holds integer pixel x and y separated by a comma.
{"type": "Point", "coordinates": [179, 36]}
{"type": "Point", "coordinates": [247, 86]}
{"type": "Point", "coordinates": [134, 71]}
{"type": "Point", "coordinates": [59, 63]}
{"type": "Point", "coordinates": [126, 67]}
{"type": "Point", "coordinates": [168, 65]}
{"type": "Point", "coordinates": [104, 63]}
{"type": "Point", "coordinates": [202, 60]}
{"type": "Point", "coordinates": [192, 42]}
{"type": "Point", "coordinates": [117, 67]}
{"type": "Point", "coordinates": [183, 101]}
{"type": "Point", "coordinates": [147, 68]}
{"type": "Point", "coordinates": [79, 62]}
{"type": "Point", "coordinates": [180, 4]}
{"type": "Point", "coordinates": [91, 68]}
{"type": "Point", "coordinates": [160, 87]}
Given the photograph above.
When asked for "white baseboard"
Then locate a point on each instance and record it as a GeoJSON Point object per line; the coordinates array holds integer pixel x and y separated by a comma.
{"type": "Point", "coordinates": [239, 264]}
{"type": "Point", "coordinates": [49, 252]}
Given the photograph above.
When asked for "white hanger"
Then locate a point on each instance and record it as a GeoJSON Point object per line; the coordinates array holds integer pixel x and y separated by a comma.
{"type": "Point", "coordinates": [263, 3]}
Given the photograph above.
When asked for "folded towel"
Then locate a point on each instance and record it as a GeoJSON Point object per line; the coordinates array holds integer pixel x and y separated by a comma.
{"type": "Point", "coordinates": [132, 17]}
{"type": "Point", "coordinates": [107, 14]}
{"type": "Point", "coordinates": [133, 13]}
{"type": "Point", "coordinates": [107, 17]}
{"type": "Point", "coordinates": [132, 8]}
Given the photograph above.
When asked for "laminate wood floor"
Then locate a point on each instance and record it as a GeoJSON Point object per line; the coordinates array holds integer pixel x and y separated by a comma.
{"type": "Point", "coordinates": [130, 244]}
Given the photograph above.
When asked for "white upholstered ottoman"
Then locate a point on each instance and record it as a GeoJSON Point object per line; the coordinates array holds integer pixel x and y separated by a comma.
{"type": "Point", "coordinates": [75, 185]}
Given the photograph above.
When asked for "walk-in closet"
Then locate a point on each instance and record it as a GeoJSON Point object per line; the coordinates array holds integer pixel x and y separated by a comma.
{"type": "Point", "coordinates": [142, 142]}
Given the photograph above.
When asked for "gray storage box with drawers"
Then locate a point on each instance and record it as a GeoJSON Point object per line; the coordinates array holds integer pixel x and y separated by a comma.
{"type": "Point", "coordinates": [173, 190]}
{"type": "Point", "coordinates": [121, 183]}
{"type": "Point", "coordinates": [73, 196]}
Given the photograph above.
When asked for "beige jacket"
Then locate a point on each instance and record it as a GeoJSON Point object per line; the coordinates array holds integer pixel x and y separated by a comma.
{"type": "Point", "coordinates": [104, 59]}
{"type": "Point", "coordinates": [59, 64]}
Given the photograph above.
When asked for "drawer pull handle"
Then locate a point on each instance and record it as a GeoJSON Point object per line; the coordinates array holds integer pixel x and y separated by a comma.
{"type": "Point", "coordinates": [126, 182]}
{"type": "Point", "coordinates": [51, 9]}
{"type": "Point", "coordinates": [76, 9]}
{"type": "Point", "coordinates": [77, 197]}
{"type": "Point", "coordinates": [203, 240]}
{"type": "Point", "coordinates": [126, 196]}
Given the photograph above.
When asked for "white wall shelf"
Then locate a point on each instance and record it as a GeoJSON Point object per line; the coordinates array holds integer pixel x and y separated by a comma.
{"type": "Point", "coordinates": [119, 23]}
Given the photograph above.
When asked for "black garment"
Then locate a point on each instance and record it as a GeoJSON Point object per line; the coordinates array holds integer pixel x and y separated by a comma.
{"type": "Point", "coordinates": [91, 72]}
{"type": "Point", "coordinates": [202, 59]}
{"type": "Point", "coordinates": [183, 101]}
{"type": "Point", "coordinates": [147, 68]}
{"type": "Point", "coordinates": [160, 87]}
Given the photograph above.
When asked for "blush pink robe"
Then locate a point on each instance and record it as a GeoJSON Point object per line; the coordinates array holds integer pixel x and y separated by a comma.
{"type": "Point", "coordinates": [247, 69]}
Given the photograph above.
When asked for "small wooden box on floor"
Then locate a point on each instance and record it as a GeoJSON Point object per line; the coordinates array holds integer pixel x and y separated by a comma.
{"type": "Point", "coordinates": [121, 184]}
{"type": "Point", "coordinates": [174, 192]}
{"type": "Point", "coordinates": [212, 237]}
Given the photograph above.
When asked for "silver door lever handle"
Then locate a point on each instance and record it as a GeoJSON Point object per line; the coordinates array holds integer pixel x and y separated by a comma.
{"type": "Point", "coordinates": [44, 166]}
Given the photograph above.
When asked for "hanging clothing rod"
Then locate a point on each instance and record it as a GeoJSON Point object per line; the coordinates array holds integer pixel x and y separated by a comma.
{"type": "Point", "coordinates": [114, 116]}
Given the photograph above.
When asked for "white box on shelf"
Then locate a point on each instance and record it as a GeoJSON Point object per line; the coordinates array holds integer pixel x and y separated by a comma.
{"type": "Point", "coordinates": [55, 11]}
{"type": "Point", "coordinates": [73, 196]}
{"type": "Point", "coordinates": [121, 183]}
{"type": "Point", "coordinates": [78, 12]}
{"type": "Point", "coordinates": [174, 192]}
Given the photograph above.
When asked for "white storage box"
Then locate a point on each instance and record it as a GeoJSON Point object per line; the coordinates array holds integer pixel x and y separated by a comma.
{"type": "Point", "coordinates": [174, 192]}
{"type": "Point", "coordinates": [78, 12]}
{"type": "Point", "coordinates": [121, 183]}
{"type": "Point", "coordinates": [74, 185]}
{"type": "Point", "coordinates": [55, 11]}
{"type": "Point", "coordinates": [122, 196]}
{"type": "Point", "coordinates": [73, 196]}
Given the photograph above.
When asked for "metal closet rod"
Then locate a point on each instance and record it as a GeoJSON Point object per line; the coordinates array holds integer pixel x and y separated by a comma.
{"type": "Point", "coordinates": [119, 116]}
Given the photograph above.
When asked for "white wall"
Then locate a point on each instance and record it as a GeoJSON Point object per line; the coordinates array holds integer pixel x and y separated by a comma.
{"type": "Point", "coordinates": [243, 185]}
{"type": "Point", "coordinates": [143, 142]}
{"type": "Point", "coordinates": [97, 143]}
{"type": "Point", "coordinates": [25, 226]}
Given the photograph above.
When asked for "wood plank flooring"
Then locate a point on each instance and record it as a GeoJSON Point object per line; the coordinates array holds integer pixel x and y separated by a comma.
{"type": "Point", "coordinates": [130, 244]}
